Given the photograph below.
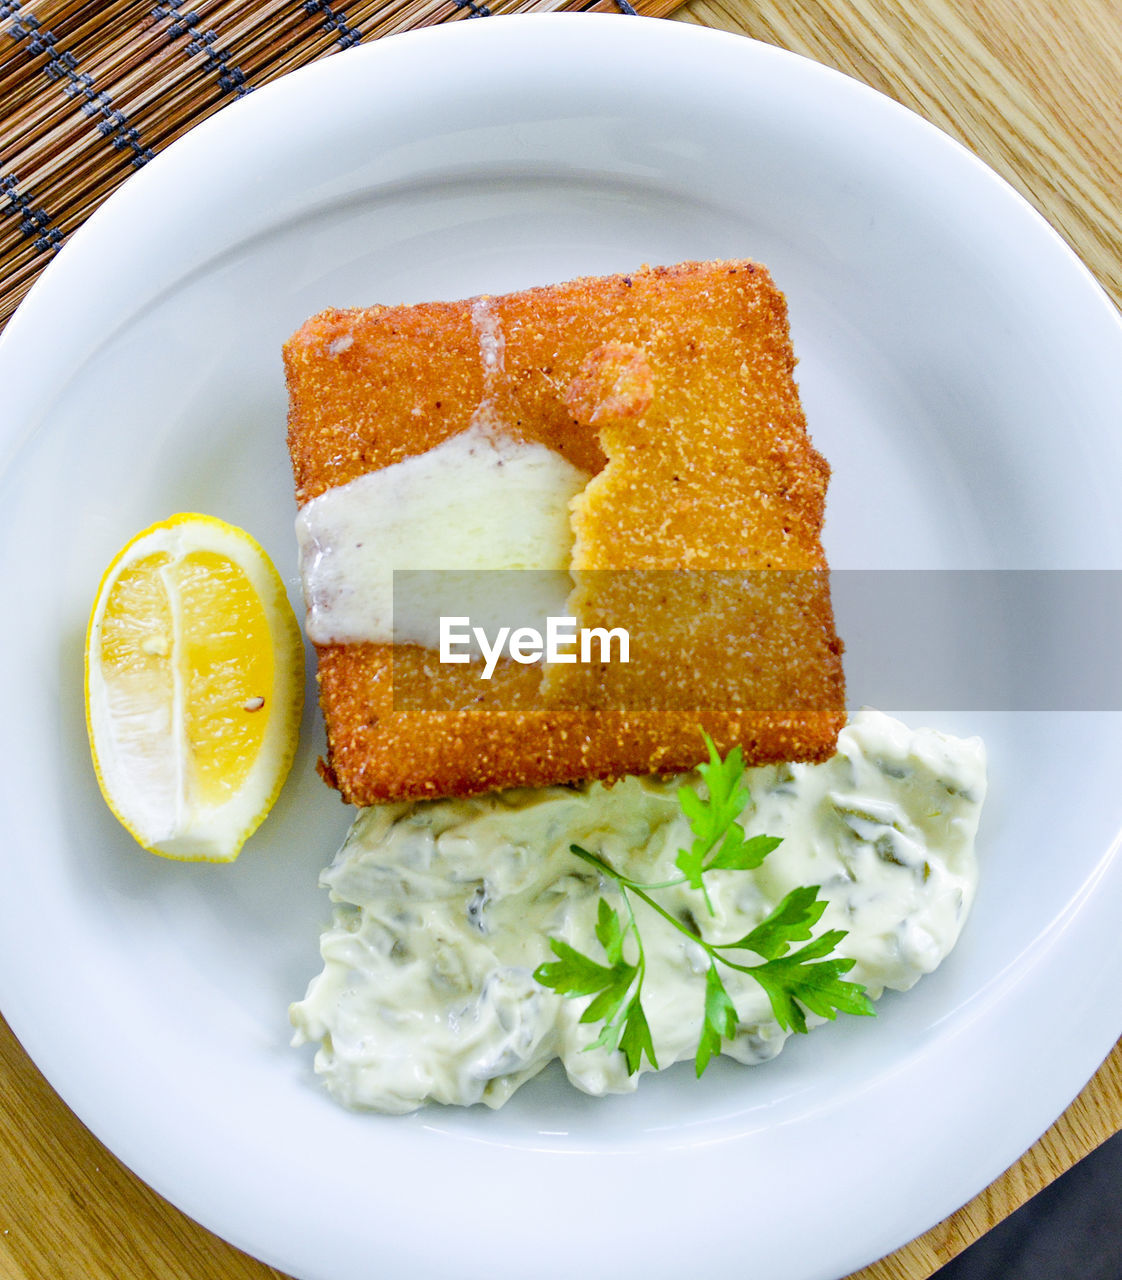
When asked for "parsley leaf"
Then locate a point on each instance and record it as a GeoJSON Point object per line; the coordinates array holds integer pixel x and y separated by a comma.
{"type": "Point", "coordinates": [636, 1040]}
{"type": "Point", "coordinates": [615, 987]}
{"type": "Point", "coordinates": [728, 792]}
{"type": "Point", "coordinates": [613, 1005]}
{"type": "Point", "coordinates": [796, 982]}
{"type": "Point", "coordinates": [573, 974]}
{"type": "Point", "coordinates": [690, 861]}
{"type": "Point", "coordinates": [791, 921]}
{"type": "Point", "coordinates": [714, 822]}
{"type": "Point", "coordinates": [720, 1019]}
{"type": "Point", "coordinates": [609, 932]}
{"type": "Point", "coordinates": [738, 854]}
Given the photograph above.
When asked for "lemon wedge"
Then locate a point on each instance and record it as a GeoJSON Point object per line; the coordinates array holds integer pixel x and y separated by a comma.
{"type": "Point", "coordinates": [194, 687]}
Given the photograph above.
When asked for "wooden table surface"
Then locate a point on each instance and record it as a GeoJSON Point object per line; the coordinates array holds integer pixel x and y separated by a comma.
{"type": "Point", "coordinates": [1032, 86]}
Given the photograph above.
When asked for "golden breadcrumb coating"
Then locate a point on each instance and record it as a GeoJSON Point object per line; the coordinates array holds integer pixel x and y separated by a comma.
{"type": "Point", "coordinates": [674, 388]}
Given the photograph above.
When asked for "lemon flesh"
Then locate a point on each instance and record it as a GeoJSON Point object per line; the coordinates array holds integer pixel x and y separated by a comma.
{"type": "Point", "coordinates": [194, 687]}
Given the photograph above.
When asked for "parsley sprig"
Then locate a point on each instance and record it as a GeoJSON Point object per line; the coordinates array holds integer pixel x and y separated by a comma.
{"type": "Point", "coordinates": [795, 981]}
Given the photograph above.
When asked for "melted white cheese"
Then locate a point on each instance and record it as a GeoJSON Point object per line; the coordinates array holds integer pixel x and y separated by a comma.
{"type": "Point", "coordinates": [444, 909]}
{"type": "Point", "coordinates": [480, 500]}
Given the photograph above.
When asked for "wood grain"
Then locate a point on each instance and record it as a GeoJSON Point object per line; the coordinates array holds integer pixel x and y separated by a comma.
{"type": "Point", "coordinates": [1032, 87]}
{"type": "Point", "coordinates": [1093, 1117]}
{"type": "Point", "coordinates": [70, 1210]}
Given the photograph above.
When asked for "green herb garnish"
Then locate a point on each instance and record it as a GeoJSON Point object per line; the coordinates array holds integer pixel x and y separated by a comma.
{"type": "Point", "coordinates": [795, 981]}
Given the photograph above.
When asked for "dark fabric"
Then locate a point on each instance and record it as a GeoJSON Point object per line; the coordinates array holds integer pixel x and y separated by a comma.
{"type": "Point", "coordinates": [1072, 1230]}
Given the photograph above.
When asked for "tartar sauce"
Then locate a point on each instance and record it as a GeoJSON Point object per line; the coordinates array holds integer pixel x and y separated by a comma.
{"type": "Point", "coordinates": [443, 909]}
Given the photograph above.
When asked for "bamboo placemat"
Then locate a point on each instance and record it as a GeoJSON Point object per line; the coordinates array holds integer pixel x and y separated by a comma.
{"type": "Point", "coordinates": [91, 90]}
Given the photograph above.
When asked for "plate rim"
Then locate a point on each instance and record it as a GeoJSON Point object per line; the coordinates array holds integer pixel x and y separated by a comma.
{"type": "Point", "coordinates": [40, 298]}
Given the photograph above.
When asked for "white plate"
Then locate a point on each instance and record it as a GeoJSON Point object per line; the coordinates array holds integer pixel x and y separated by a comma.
{"type": "Point", "coordinates": [961, 371]}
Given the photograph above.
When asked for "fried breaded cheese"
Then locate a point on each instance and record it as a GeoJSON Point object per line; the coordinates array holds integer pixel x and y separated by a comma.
{"type": "Point", "coordinates": [700, 529]}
